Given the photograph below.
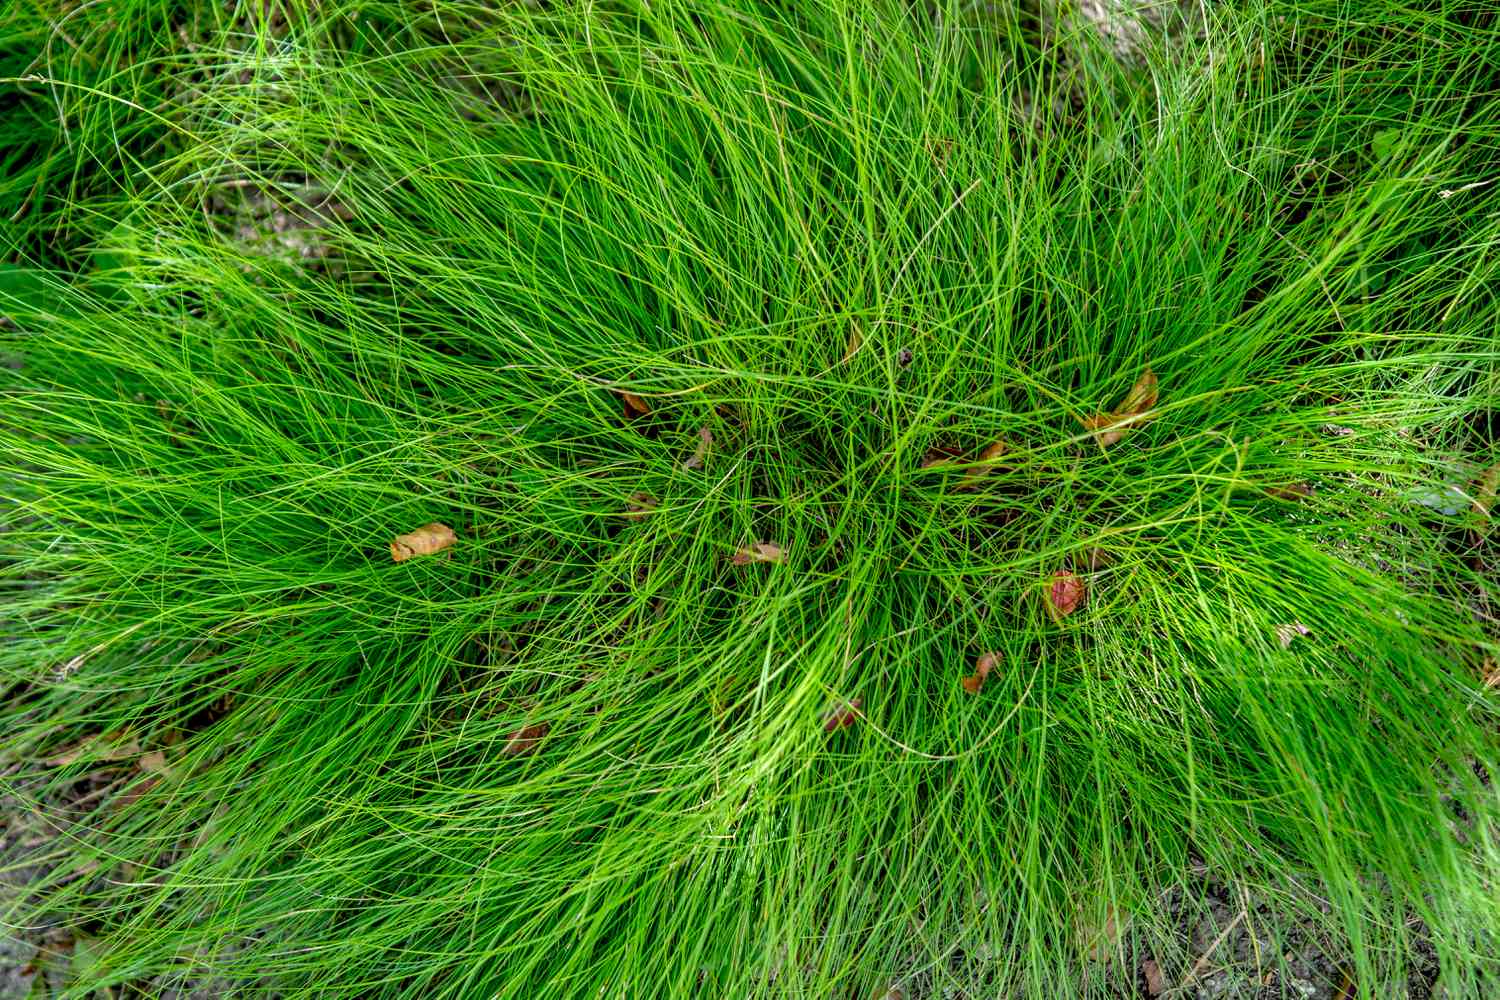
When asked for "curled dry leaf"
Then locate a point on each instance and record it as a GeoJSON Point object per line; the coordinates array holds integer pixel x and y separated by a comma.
{"type": "Point", "coordinates": [426, 540]}
{"type": "Point", "coordinates": [639, 505]}
{"type": "Point", "coordinates": [1286, 633]}
{"type": "Point", "coordinates": [1066, 592]}
{"type": "Point", "coordinates": [695, 460]}
{"type": "Point", "coordinates": [845, 713]}
{"type": "Point", "coordinates": [1490, 672]}
{"type": "Point", "coordinates": [635, 406]}
{"type": "Point", "coordinates": [760, 552]}
{"type": "Point", "coordinates": [526, 739]}
{"type": "Point", "coordinates": [982, 668]}
{"type": "Point", "coordinates": [987, 461]}
{"type": "Point", "coordinates": [1110, 427]}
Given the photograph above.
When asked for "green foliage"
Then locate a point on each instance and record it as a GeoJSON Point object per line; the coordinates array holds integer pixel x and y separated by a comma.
{"type": "Point", "coordinates": [350, 269]}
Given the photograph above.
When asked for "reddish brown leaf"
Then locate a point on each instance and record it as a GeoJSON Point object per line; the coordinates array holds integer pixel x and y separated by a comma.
{"type": "Point", "coordinates": [982, 668]}
{"type": "Point", "coordinates": [841, 715]}
{"type": "Point", "coordinates": [1111, 426]}
{"type": "Point", "coordinates": [1291, 492]}
{"type": "Point", "coordinates": [1066, 591]}
{"type": "Point", "coordinates": [695, 461]}
{"type": "Point", "coordinates": [525, 739]}
{"type": "Point", "coordinates": [635, 406]}
{"type": "Point", "coordinates": [639, 505]}
{"type": "Point", "coordinates": [424, 541]}
{"type": "Point", "coordinates": [1156, 983]}
{"type": "Point", "coordinates": [760, 552]}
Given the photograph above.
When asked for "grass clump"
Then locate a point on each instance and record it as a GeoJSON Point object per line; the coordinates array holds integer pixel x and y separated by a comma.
{"type": "Point", "coordinates": [388, 265]}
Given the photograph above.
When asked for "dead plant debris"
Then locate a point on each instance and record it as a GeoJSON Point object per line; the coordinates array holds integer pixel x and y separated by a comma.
{"type": "Point", "coordinates": [1110, 427]}
{"type": "Point", "coordinates": [1286, 633]}
{"type": "Point", "coordinates": [426, 540]}
{"type": "Point", "coordinates": [1066, 592]}
{"type": "Point", "coordinates": [845, 713]}
{"type": "Point", "coordinates": [760, 552]}
{"type": "Point", "coordinates": [526, 739]}
{"type": "Point", "coordinates": [639, 505]}
{"type": "Point", "coordinates": [705, 441]}
{"type": "Point", "coordinates": [635, 406]}
{"type": "Point", "coordinates": [982, 667]}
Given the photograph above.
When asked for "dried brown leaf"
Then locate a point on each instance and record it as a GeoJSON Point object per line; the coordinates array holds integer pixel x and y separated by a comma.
{"type": "Point", "coordinates": [1110, 427]}
{"type": "Point", "coordinates": [1066, 592]}
{"type": "Point", "coordinates": [639, 505]}
{"type": "Point", "coordinates": [426, 540]}
{"type": "Point", "coordinates": [1286, 633]}
{"type": "Point", "coordinates": [154, 762]}
{"type": "Point", "coordinates": [526, 739]}
{"type": "Point", "coordinates": [1490, 672]}
{"type": "Point", "coordinates": [1291, 492]}
{"type": "Point", "coordinates": [1101, 937]}
{"type": "Point", "coordinates": [988, 459]}
{"type": "Point", "coordinates": [705, 440]}
{"type": "Point", "coordinates": [938, 456]}
{"type": "Point", "coordinates": [982, 667]}
{"type": "Point", "coordinates": [96, 749]}
{"type": "Point", "coordinates": [855, 342]}
{"type": "Point", "coordinates": [843, 714]}
{"type": "Point", "coordinates": [760, 552]}
{"type": "Point", "coordinates": [635, 406]}
{"type": "Point", "coordinates": [1156, 982]}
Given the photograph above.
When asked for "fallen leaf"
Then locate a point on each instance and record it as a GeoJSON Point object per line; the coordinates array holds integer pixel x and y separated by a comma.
{"type": "Point", "coordinates": [1110, 427]}
{"type": "Point", "coordinates": [1490, 671]}
{"type": "Point", "coordinates": [154, 762]}
{"type": "Point", "coordinates": [988, 459]}
{"type": "Point", "coordinates": [1286, 633]}
{"type": "Point", "coordinates": [982, 668]}
{"type": "Point", "coordinates": [841, 715]}
{"type": "Point", "coordinates": [903, 357]}
{"type": "Point", "coordinates": [760, 552]}
{"type": "Point", "coordinates": [1290, 492]}
{"type": "Point", "coordinates": [635, 406]}
{"type": "Point", "coordinates": [695, 461]}
{"type": "Point", "coordinates": [95, 749]}
{"type": "Point", "coordinates": [1066, 591]}
{"type": "Point", "coordinates": [1102, 939]}
{"type": "Point", "coordinates": [855, 342]}
{"type": "Point", "coordinates": [426, 540]}
{"type": "Point", "coordinates": [639, 505]}
{"type": "Point", "coordinates": [1156, 983]}
{"type": "Point", "coordinates": [1097, 558]}
{"type": "Point", "coordinates": [525, 739]}
{"type": "Point", "coordinates": [938, 456]}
